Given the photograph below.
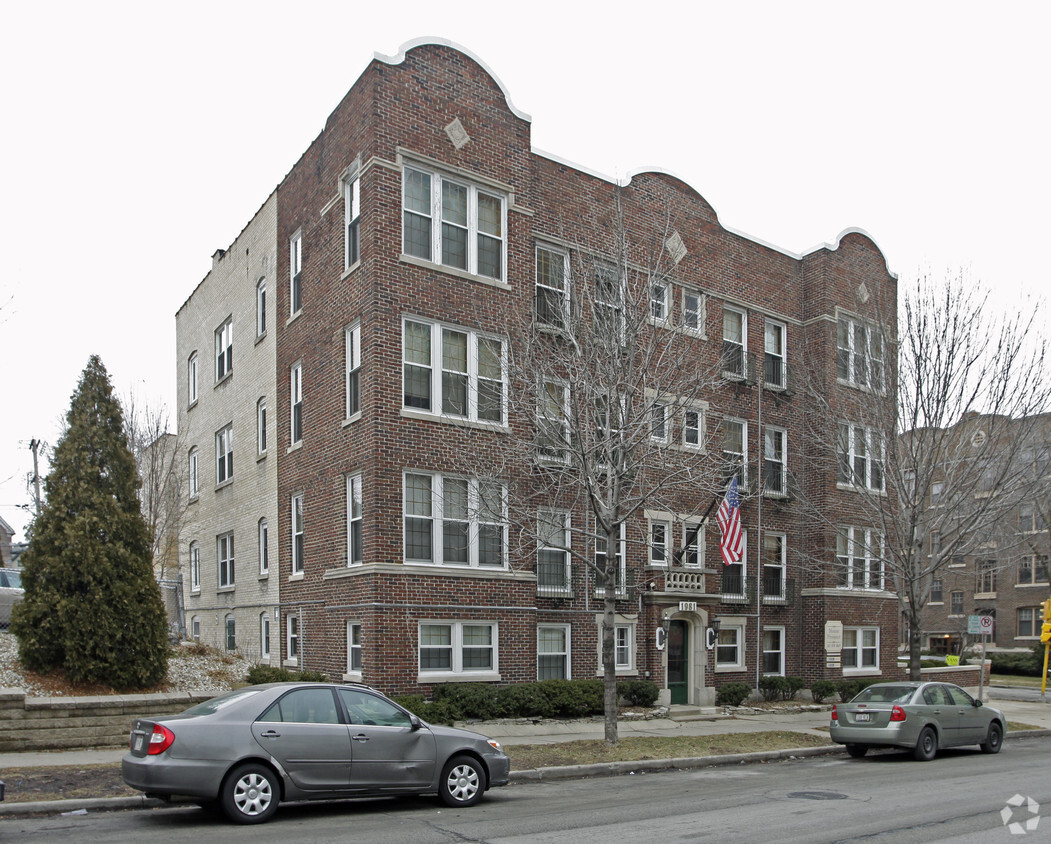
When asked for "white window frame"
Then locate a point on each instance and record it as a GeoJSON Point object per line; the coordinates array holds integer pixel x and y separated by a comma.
{"type": "Point", "coordinates": [292, 639]}
{"type": "Point", "coordinates": [621, 588]}
{"type": "Point", "coordinates": [780, 564]}
{"type": "Point", "coordinates": [740, 459]}
{"type": "Point", "coordinates": [559, 521]}
{"type": "Point", "coordinates": [195, 628]}
{"type": "Point", "coordinates": [956, 602]}
{"type": "Point", "coordinates": [610, 292]}
{"type": "Point", "coordinates": [224, 349]}
{"type": "Point", "coordinates": [195, 567]}
{"type": "Point", "coordinates": [779, 650]}
{"type": "Point", "coordinates": [264, 635]}
{"type": "Point", "coordinates": [435, 370]}
{"type": "Point", "coordinates": [1032, 619]}
{"type": "Point", "coordinates": [455, 670]}
{"type": "Point", "coordinates": [224, 553]}
{"type": "Point", "coordinates": [660, 546]}
{"type": "Point", "coordinates": [355, 521]}
{"type": "Point", "coordinates": [553, 418]}
{"type": "Point", "coordinates": [660, 421]}
{"type": "Point", "coordinates": [230, 632]}
{"type": "Point", "coordinates": [775, 457]}
{"type": "Point", "coordinates": [733, 347]}
{"type": "Point", "coordinates": [260, 308]}
{"type": "Point", "coordinates": [859, 558]}
{"type": "Point", "coordinates": [297, 533]}
{"type": "Point", "coordinates": [260, 426]}
{"type": "Point", "coordinates": [775, 338]}
{"type": "Point", "coordinates": [565, 630]}
{"type": "Point", "coordinates": [352, 219]}
{"type": "Point", "coordinates": [295, 398]}
{"type": "Point", "coordinates": [697, 430]}
{"type": "Point", "coordinates": [433, 213]}
{"type": "Point", "coordinates": [433, 518]}
{"type": "Point", "coordinates": [693, 553]}
{"type": "Point", "coordinates": [194, 470]}
{"type": "Point", "coordinates": [624, 647]}
{"type": "Point", "coordinates": [859, 357]}
{"type": "Point", "coordinates": [859, 447]}
{"type": "Point", "coordinates": [547, 292]}
{"type": "Point", "coordinates": [861, 649]}
{"type": "Point", "coordinates": [693, 318]}
{"type": "Point", "coordinates": [263, 535]}
{"type": "Point", "coordinates": [224, 454]}
{"type": "Point", "coordinates": [659, 312]}
{"type": "Point", "coordinates": [731, 636]}
{"type": "Point", "coordinates": [192, 380]}
{"type": "Point", "coordinates": [353, 648]}
{"type": "Point", "coordinates": [295, 273]}
{"type": "Point", "coordinates": [352, 371]}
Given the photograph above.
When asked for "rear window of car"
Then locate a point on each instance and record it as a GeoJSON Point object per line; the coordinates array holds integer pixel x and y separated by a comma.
{"type": "Point", "coordinates": [885, 694]}
{"type": "Point", "coordinates": [212, 706]}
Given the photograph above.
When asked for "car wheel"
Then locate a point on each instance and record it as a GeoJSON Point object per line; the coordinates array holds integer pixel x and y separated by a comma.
{"type": "Point", "coordinates": [463, 782]}
{"type": "Point", "coordinates": [994, 739]}
{"type": "Point", "coordinates": [857, 750]}
{"type": "Point", "coordinates": [250, 794]}
{"type": "Point", "coordinates": [926, 745]}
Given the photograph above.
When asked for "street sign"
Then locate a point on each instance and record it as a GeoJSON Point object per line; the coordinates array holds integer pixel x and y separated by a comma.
{"type": "Point", "coordinates": [980, 625]}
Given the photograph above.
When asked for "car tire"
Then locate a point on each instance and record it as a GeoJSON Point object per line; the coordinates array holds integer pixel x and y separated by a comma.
{"type": "Point", "coordinates": [994, 739]}
{"type": "Point", "coordinates": [462, 782]}
{"type": "Point", "coordinates": [857, 750]}
{"type": "Point", "coordinates": [250, 794]}
{"type": "Point", "coordinates": [926, 745]}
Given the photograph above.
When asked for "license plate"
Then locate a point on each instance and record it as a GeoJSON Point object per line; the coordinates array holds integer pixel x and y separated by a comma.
{"type": "Point", "coordinates": [863, 716]}
{"type": "Point", "coordinates": [140, 740]}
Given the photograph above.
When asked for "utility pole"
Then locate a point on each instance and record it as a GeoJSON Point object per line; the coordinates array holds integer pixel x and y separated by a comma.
{"type": "Point", "coordinates": [35, 446]}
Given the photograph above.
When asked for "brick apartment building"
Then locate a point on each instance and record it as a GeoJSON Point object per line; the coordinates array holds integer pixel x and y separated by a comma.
{"type": "Point", "coordinates": [395, 258]}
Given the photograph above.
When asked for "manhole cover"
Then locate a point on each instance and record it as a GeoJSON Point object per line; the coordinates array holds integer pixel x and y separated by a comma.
{"type": "Point", "coordinates": [816, 795]}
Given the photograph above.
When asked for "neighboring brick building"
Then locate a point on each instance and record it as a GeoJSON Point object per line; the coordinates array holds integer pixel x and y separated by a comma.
{"type": "Point", "coordinates": [419, 217]}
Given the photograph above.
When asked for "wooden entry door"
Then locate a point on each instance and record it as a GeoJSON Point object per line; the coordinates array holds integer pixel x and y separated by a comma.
{"type": "Point", "coordinates": [678, 661]}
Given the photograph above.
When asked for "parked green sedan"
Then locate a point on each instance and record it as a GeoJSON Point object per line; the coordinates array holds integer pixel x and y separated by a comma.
{"type": "Point", "coordinates": [918, 716]}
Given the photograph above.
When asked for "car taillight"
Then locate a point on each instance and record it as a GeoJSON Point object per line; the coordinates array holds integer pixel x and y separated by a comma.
{"type": "Point", "coordinates": [897, 714]}
{"type": "Point", "coordinates": [160, 740]}
{"type": "Point", "coordinates": [834, 716]}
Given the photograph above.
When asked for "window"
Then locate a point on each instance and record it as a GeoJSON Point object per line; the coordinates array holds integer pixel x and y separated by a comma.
{"type": "Point", "coordinates": [659, 422]}
{"type": "Point", "coordinates": [618, 565]}
{"type": "Point", "coordinates": [552, 560]}
{"type": "Point", "coordinates": [552, 652]}
{"type": "Point", "coordinates": [191, 379]}
{"type": "Point", "coordinates": [224, 349]}
{"type": "Point", "coordinates": [956, 603]}
{"type": "Point", "coordinates": [859, 353]}
{"type": "Point", "coordinates": [1031, 519]}
{"type": "Point", "coordinates": [660, 293]}
{"type": "Point", "coordinates": [609, 302]}
{"type": "Point", "coordinates": [774, 371]}
{"type": "Point", "coordinates": [1033, 569]}
{"type": "Point", "coordinates": [936, 492]}
{"type": "Point", "coordinates": [296, 272]}
{"type": "Point", "coordinates": [936, 596]}
{"type": "Point", "coordinates": [195, 628]}
{"type": "Point", "coordinates": [693, 544]}
{"type": "Point", "coordinates": [352, 215]}
{"type": "Point", "coordinates": [470, 382]}
{"type": "Point", "coordinates": [1027, 625]}
{"type": "Point", "coordinates": [292, 638]}
{"type": "Point", "coordinates": [552, 287]}
{"type": "Point", "coordinates": [774, 566]}
{"type": "Point", "coordinates": [693, 428]}
{"type": "Point", "coordinates": [260, 308]}
{"type": "Point", "coordinates": [354, 520]}
{"type": "Point", "coordinates": [353, 371]}
{"type": "Point", "coordinates": [774, 650]}
{"type": "Point", "coordinates": [735, 341]}
{"type": "Point", "coordinates": [195, 477]}
{"type": "Point", "coordinates": [860, 457]}
{"type": "Point", "coordinates": [458, 647]}
{"type": "Point", "coordinates": [297, 534]}
{"type": "Point", "coordinates": [693, 312]}
{"type": "Point", "coordinates": [936, 544]}
{"type": "Point", "coordinates": [225, 557]}
{"type": "Point", "coordinates": [985, 577]}
{"type": "Point", "coordinates": [260, 426]}
{"type": "Point", "coordinates": [735, 450]}
{"type": "Point", "coordinates": [353, 647]}
{"type": "Point", "coordinates": [264, 549]}
{"type": "Point", "coordinates": [775, 474]}
{"type": "Point", "coordinates": [224, 454]}
{"type": "Point", "coordinates": [624, 647]}
{"type": "Point", "coordinates": [728, 647]}
{"type": "Point", "coordinates": [264, 635]}
{"type": "Point", "coordinates": [660, 539]}
{"type": "Point", "coordinates": [860, 648]}
{"type": "Point", "coordinates": [195, 567]}
{"type": "Point", "coordinates": [296, 398]}
{"type": "Point", "coordinates": [553, 422]}
{"type": "Point", "coordinates": [454, 224]}
{"type": "Point", "coordinates": [231, 633]}
{"type": "Point", "coordinates": [734, 578]}
{"type": "Point", "coordinates": [455, 521]}
{"type": "Point", "coordinates": [859, 558]}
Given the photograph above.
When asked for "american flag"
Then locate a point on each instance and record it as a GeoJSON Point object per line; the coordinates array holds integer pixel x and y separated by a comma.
{"type": "Point", "coordinates": [729, 519]}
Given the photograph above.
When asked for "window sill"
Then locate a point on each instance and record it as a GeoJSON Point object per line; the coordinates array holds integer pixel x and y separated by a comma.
{"type": "Point", "coordinates": [454, 677]}
{"type": "Point", "coordinates": [294, 447]}
{"type": "Point", "coordinates": [194, 498]}
{"type": "Point", "coordinates": [191, 405]}
{"type": "Point", "coordinates": [293, 318]}
{"type": "Point", "coordinates": [728, 669]}
{"type": "Point", "coordinates": [264, 575]}
{"type": "Point", "coordinates": [259, 338]}
{"type": "Point", "coordinates": [936, 603]}
{"type": "Point", "coordinates": [453, 271]}
{"type": "Point", "coordinates": [261, 458]}
{"type": "Point", "coordinates": [985, 596]}
{"type": "Point", "coordinates": [223, 589]}
{"type": "Point", "coordinates": [350, 420]}
{"type": "Point", "coordinates": [352, 677]}
{"type": "Point", "coordinates": [427, 416]}
{"type": "Point", "coordinates": [220, 381]}
{"type": "Point", "coordinates": [350, 270]}
{"type": "Point", "coordinates": [1041, 584]}
{"type": "Point", "coordinates": [296, 576]}
{"type": "Point", "coordinates": [224, 484]}
{"type": "Point", "coordinates": [621, 672]}
{"type": "Point", "coordinates": [291, 663]}
{"type": "Point", "coordinates": [862, 672]}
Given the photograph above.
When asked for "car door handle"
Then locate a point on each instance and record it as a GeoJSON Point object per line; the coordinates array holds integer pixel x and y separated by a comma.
{"type": "Point", "coordinates": [270, 734]}
{"type": "Point", "coordinates": [360, 737]}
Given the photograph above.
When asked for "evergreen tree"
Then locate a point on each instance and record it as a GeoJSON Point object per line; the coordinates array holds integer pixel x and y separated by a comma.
{"type": "Point", "coordinates": [92, 607]}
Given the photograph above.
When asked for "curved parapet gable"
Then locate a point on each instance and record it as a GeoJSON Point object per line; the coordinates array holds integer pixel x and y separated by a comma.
{"type": "Point", "coordinates": [834, 246]}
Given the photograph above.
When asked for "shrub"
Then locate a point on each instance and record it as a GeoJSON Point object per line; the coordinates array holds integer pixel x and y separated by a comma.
{"type": "Point", "coordinates": [771, 688]}
{"type": "Point", "coordinates": [638, 692]}
{"type": "Point", "coordinates": [848, 687]}
{"type": "Point", "coordinates": [432, 713]}
{"type": "Point", "coordinates": [1019, 664]}
{"type": "Point", "coordinates": [732, 694]}
{"type": "Point", "coordinates": [468, 700]}
{"type": "Point", "coordinates": [523, 700]}
{"type": "Point", "coordinates": [792, 687]}
{"type": "Point", "coordinates": [259, 674]}
{"type": "Point", "coordinates": [822, 690]}
{"type": "Point", "coordinates": [572, 698]}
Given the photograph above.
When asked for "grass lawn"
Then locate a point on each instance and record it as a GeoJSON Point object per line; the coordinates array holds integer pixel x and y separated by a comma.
{"type": "Point", "coordinates": [1015, 680]}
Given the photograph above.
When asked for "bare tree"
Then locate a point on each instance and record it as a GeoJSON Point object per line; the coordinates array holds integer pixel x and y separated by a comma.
{"type": "Point", "coordinates": [937, 440]}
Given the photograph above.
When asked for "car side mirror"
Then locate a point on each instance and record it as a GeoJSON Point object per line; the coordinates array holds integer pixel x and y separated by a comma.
{"type": "Point", "coordinates": [976, 702]}
{"type": "Point", "coordinates": [415, 722]}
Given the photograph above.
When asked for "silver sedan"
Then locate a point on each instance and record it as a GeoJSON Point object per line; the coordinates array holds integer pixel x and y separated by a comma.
{"type": "Point", "coordinates": [248, 750]}
{"type": "Point", "coordinates": [918, 716]}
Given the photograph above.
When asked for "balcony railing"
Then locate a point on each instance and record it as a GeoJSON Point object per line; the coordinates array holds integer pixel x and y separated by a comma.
{"type": "Point", "coordinates": [684, 580]}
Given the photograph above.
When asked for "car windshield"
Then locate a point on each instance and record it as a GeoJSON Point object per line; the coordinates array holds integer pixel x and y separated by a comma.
{"type": "Point", "coordinates": [885, 694]}
{"type": "Point", "coordinates": [210, 707]}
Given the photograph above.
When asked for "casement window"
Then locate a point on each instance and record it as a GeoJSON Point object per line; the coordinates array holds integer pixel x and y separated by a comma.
{"type": "Point", "coordinates": [296, 399]}
{"type": "Point", "coordinates": [774, 371]}
{"type": "Point", "coordinates": [195, 567]}
{"type": "Point", "coordinates": [224, 349]}
{"type": "Point", "coordinates": [985, 577]}
{"type": "Point", "coordinates": [353, 371]}
{"type": "Point", "coordinates": [956, 603]}
{"type": "Point", "coordinates": [774, 566]}
{"type": "Point", "coordinates": [231, 633]}
{"type": "Point", "coordinates": [860, 457]}
{"type": "Point", "coordinates": [354, 520]}
{"type": "Point", "coordinates": [729, 647]}
{"type": "Point", "coordinates": [1027, 625]}
{"type": "Point", "coordinates": [693, 312]}
{"type": "Point", "coordinates": [552, 652]}
{"type": "Point", "coordinates": [859, 558]}
{"type": "Point", "coordinates": [552, 287]}
{"type": "Point", "coordinates": [735, 450]}
{"type": "Point", "coordinates": [453, 223]}
{"type": "Point", "coordinates": [457, 647]}
{"type": "Point", "coordinates": [194, 473]}
{"type": "Point", "coordinates": [619, 573]}
{"type": "Point", "coordinates": [260, 426]}
{"type": "Point", "coordinates": [609, 301]}
{"type": "Point", "coordinates": [660, 542]}
{"type": "Point", "coordinates": [553, 422]}
{"type": "Point", "coordinates": [292, 638]}
{"type": "Point", "coordinates": [295, 262]}
{"type": "Point", "coordinates": [774, 651]}
{"type": "Point", "coordinates": [693, 544]}
{"type": "Point", "coordinates": [775, 472]}
{"type": "Point", "coordinates": [660, 297]}
{"type": "Point", "coordinates": [859, 353]}
{"type": "Point", "coordinates": [735, 342]}
{"type": "Point", "coordinates": [660, 422]}
{"type": "Point", "coordinates": [455, 521]}
{"type": "Point", "coordinates": [454, 372]}
{"type": "Point", "coordinates": [264, 635]}
{"type": "Point", "coordinates": [264, 547]}
{"type": "Point", "coordinates": [297, 534]}
{"type": "Point", "coordinates": [225, 557]}
{"type": "Point", "coordinates": [224, 454]}
{"type": "Point", "coordinates": [693, 428]}
{"type": "Point", "coordinates": [552, 558]}
{"type": "Point", "coordinates": [353, 647]}
{"type": "Point", "coordinates": [1032, 569]}
{"type": "Point", "coordinates": [734, 577]}
{"type": "Point", "coordinates": [191, 380]}
{"type": "Point", "coordinates": [624, 647]}
{"type": "Point", "coordinates": [860, 649]}
{"type": "Point", "coordinates": [352, 215]}
{"type": "Point", "coordinates": [260, 308]}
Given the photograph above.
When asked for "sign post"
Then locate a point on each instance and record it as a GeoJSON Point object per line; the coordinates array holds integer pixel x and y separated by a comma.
{"type": "Point", "coordinates": [981, 625]}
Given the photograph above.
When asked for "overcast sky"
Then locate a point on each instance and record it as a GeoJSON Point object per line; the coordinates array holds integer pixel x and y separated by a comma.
{"type": "Point", "coordinates": [140, 137]}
